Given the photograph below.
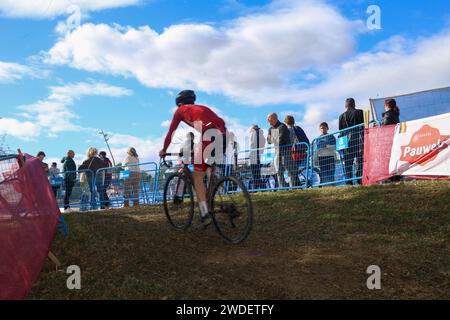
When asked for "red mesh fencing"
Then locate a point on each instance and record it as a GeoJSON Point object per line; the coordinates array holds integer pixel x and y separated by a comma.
{"type": "Point", "coordinates": [28, 220]}
{"type": "Point", "coordinates": [377, 153]}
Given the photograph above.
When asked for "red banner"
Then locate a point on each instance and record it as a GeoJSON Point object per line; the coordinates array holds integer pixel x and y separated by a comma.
{"type": "Point", "coordinates": [377, 153]}
{"type": "Point", "coordinates": [28, 219]}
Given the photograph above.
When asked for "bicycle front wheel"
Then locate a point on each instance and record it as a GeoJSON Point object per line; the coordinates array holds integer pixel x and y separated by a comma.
{"type": "Point", "coordinates": [232, 210]}
{"type": "Point", "coordinates": [179, 201]}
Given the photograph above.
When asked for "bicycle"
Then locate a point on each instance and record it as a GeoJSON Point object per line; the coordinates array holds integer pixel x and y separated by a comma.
{"type": "Point", "coordinates": [227, 197]}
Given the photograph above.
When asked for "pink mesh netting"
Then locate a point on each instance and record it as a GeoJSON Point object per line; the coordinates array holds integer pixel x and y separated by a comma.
{"type": "Point", "coordinates": [28, 219]}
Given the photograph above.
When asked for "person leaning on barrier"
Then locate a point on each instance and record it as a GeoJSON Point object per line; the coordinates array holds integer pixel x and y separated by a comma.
{"type": "Point", "coordinates": [392, 114]}
{"type": "Point", "coordinates": [93, 164]}
{"type": "Point", "coordinates": [70, 176]}
{"type": "Point", "coordinates": [280, 136]}
{"type": "Point", "coordinates": [349, 119]}
{"type": "Point", "coordinates": [325, 154]}
{"type": "Point", "coordinates": [53, 175]}
{"type": "Point", "coordinates": [108, 177]}
{"type": "Point", "coordinates": [298, 150]}
{"type": "Point", "coordinates": [257, 144]}
{"type": "Point", "coordinates": [132, 184]}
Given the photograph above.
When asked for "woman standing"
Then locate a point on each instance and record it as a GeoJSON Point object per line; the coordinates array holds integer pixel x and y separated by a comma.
{"type": "Point", "coordinates": [91, 165]}
{"type": "Point", "coordinates": [392, 114]}
{"type": "Point", "coordinates": [132, 184]}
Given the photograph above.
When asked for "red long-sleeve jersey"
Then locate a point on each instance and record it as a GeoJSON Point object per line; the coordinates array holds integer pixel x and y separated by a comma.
{"type": "Point", "coordinates": [198, 117]}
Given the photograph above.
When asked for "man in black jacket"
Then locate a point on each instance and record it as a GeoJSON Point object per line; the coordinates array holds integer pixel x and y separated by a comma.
{"type": "Point", "coordinates": [280, 136]}
{"type": "Point", "coordinates": [70, 176]}
{"type": "Point", "coordinates": [350, 119]}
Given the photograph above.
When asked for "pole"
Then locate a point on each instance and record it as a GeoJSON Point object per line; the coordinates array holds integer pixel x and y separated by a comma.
{"type": "Point", "coordinates": [107, 144]}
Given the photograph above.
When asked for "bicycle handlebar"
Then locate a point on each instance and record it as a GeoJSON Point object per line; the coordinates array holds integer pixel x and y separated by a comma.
{"type": "Point", "coordinates": [172, 155]}
{"type": "Point", "coordinates": [163, 159]}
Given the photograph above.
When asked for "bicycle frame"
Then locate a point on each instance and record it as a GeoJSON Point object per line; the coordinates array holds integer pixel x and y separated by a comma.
{"type": "Point", "coordinates": [190, 177]}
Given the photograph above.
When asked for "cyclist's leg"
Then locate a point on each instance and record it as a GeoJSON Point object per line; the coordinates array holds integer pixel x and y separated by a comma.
{"type": "Point", "coordinates": [199, 185]}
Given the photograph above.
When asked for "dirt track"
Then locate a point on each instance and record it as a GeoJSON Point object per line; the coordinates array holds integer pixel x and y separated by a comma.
{"type": "Point", "coordinates": [313, 244]}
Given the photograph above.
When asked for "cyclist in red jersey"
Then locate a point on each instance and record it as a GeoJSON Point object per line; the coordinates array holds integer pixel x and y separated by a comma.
{"type": "Point", "coordinates": [202, 119]}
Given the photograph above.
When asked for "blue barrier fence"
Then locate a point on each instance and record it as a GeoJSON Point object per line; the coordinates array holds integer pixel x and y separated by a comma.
{"type": "Point", "coordinates": [129, 185]}
{"type": "Point", "coordinates": [75, 189]}
{"type": "Point", "coordinates": [338, 157]}
{"type": "Point", "coordinates": [272, 168]}
{"type": "Point", "coordinates": [335, 159]}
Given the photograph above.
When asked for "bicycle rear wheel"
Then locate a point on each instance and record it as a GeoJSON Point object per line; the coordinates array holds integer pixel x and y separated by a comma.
{"type": "Point", "coordinates": [232, 210]}
{"type": "Point", "coordinates": [179, 201]}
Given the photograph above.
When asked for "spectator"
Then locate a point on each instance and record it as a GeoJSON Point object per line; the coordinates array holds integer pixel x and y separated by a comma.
{"type": "Point", "coordinates": [70, 176]}
{"type": "Point", "coordinates": [187, 149]}
{"type": "Point", "coordinates": [257, 144]}
{"type": "Point", "coordinates": [355, 136]}
{"type": "Point", "coordinates": [53, 174]}
{"type": "Point", "coordinates": [325, 154]}
{"type": "Point", "coordinates": [231, 158]}
{"type": "Point", "coordinates": [108, 178]}
{"type": "Point", "coordinates": [232, 150]}
{"type": "Point", "coordinates": [132, 184]}
{"type": "Point", "coordinates": [297, 133]}
{"type": "Point", "coordinates": [392, 114]}
{"type": "Point", "coordinates": [41, 156]}
{"type": "Point", "coordinates": [279, 135]}
{"type": "Point", "coordinates": [93, 164]}
{"type": "Point", "coordinates": [299, 149]}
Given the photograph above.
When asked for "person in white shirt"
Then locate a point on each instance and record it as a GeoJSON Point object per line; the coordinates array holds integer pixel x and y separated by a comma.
{"type": "Point", "coordinates": [257, 144]}
{"type": "Point", "coordinates": [132, 183]}
{"type": "Point", "coordinates": [187, 149]}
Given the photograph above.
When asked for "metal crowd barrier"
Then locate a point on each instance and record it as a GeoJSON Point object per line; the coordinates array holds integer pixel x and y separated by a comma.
{"type": "Point", "coordinates": [338, 157]}
{"type": "Point", "coordinates": [273, 168]}
{"type": "Point", "coordinates": [335, 159]}
{"type": "Point", "coordinates": [162, 175]}
{"type": "Point", "coordinates": [129, 185]}
{"type": "Point", "coordinates": [75, 189]}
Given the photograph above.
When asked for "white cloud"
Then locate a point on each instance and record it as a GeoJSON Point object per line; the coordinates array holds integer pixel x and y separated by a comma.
{"type": "Point", "coordinates": [10, 72]}
{"type": "Point", "coordinates": [25, 130]}
{"type": "Point", "coordinates": [396, 66]}
{"type": "Point", "coordinates": [165, 124]}
{"type": "Point", "coordinates": [53, 8]}
{"type": "Point", "coordinates": [257, 52]}
{"type": "Point", "coordinates": [147, 148]}
{"type": "Point", "coordinates": [54, 115]}
{"type": "Point", "coordinates": [296, 52]}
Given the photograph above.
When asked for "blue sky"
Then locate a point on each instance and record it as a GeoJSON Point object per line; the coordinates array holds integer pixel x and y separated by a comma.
{"type": "Point", "coordinates": [120, 68]}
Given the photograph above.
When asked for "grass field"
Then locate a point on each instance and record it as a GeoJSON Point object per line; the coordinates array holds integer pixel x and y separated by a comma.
{"type": "Point", "coordinates": [314, 244]}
